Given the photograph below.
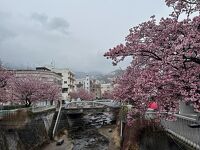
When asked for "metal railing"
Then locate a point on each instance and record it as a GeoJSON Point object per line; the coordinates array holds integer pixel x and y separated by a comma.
{"type": "Point", "coordinates": [57, 119]}
{"type": "Point", "coordinates": [91, 104]}
{"type": "Point", "coordinates": [185, 128]}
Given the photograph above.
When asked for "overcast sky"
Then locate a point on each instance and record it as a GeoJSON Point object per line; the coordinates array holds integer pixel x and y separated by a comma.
{"type": "Point", "coordinates": [73, 33]}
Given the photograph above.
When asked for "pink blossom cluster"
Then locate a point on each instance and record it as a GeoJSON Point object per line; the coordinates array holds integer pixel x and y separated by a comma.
{"type": "Point", "coordinates": [5, 77]}
{"type": "Point", "coordinates": [166, 60]}
{"type": "Point", "coordinates": [82, 94]}
{"type": "Point", "coordinates": [187, 7]}
{"type": "Point", "coordinates": [107, 95]}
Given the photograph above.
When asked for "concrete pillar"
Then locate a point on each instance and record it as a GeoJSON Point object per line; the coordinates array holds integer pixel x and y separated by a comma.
{"type": "Point", "coordinates": [186, 108]}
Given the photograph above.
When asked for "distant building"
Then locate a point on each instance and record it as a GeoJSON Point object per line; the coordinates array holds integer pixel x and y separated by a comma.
{"type": "Point", "coordinates": [84, 83]}
{"type": "Point", "coordinates": [87, 83]}
{"type": "Point", "coordinates": [107, 87]}
{"type": "Point", "coordinates": [79, 83]}
{"type": "Point", "coordinates": [68, 81]}
{"type": "Point", "coordinates": [44, 73]}
{"type": "Point", "coordinates": [96, 88]}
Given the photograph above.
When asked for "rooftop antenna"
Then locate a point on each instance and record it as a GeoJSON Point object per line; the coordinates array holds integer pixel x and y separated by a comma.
{"type": "Point", "coordinates": [120, 68]}
{"type": "Point", "coordinates": [52, 64]}
{"type": "Point", "coordinates": [0, 63]}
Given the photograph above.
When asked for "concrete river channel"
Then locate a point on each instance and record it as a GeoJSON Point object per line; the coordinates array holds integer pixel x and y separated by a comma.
{"type": "Point", "coordinates": [101, 132]}
{"type": "Point", "coordinates": [88, 132]}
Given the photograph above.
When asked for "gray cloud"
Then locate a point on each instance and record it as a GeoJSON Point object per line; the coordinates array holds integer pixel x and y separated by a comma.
{"type": "Point", "coordinates": [5, 31]}
{"type": "Point", "coordinates": [42, 18]}
{"type": "Point", "coordinates": [56, 24]}
{"type": "Point", "coordinates": [32, 39]}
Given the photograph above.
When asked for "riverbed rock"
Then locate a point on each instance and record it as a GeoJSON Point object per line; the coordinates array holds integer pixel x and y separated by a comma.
{"type": "Point", "coordinates": [109, 130]}
{"type": "Point", "coordinates": [60, 142]}
{"type": "Point", "coordinates": [98, 120]}
{"type": "Point", "coordinates": [91, 139]}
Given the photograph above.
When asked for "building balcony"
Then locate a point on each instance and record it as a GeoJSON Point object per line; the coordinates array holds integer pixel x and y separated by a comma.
{"type": "Point", "coordinates": [71, 78]}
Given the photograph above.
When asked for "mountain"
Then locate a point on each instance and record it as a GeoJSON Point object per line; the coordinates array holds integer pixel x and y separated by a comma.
{"type": "Point", "coordinates": [104, 78]}
{"type": "Point", "coordinates": [80, 75]}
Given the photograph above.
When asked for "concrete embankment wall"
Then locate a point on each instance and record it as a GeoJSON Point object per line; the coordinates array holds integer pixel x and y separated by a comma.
{"type": "Point", "coordinates": [144, 135]}
{"type": "Point", "coordinates": [25, 133]}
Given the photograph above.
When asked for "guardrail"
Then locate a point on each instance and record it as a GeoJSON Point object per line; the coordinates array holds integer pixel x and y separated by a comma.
{"type": "Point", "coordinates": [13, 112]}
{"type": "Point", "coordinates": [185, 128]}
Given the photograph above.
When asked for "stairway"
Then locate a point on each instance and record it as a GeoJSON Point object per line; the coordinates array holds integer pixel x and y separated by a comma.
{"type": "Point", "coordinates": [50, 133]}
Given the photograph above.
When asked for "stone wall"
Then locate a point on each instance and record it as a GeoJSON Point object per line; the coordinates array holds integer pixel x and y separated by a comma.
{"type": "Point", "coordinates": [27, 136]}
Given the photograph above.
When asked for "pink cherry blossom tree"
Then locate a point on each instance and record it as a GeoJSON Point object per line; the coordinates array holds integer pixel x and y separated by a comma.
{"type": "Point", "coordinates": [5, 77]}
{"type": "Point", "coordinates": [82, 94]}
{"type": "Point", "coordinates": [30, 89]}
{"type": "Point", "coordinates": [73, 94]}
{"type": "Point", "coordinates": [107, 95]}
{"type": "Point", "coordinates": [166, 60]}
{"type": "Point", "coordinates": [51, 91]}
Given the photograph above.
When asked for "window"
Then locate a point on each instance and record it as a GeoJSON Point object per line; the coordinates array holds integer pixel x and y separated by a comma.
{"type": "Point", "coordinates": [65, 82]}
{"type": "Point", "coordinates": [64, 90]}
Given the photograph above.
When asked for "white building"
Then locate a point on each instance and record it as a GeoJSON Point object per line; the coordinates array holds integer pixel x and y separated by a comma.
{"type": "Point", "coordinates": [68, 81]}
{"type": "Point", "coordinates": [87, 83]}
{"type": "Point", "coordinates": [92, 86]}
{"type": "Point", "coordinates": [106, 87]}
{"type": "Point", "coordinates": [84, 83]}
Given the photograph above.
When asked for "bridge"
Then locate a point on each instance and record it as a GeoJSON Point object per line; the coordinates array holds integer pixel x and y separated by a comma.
{"type": "Point", "coordinates": [185, 128]}
{"type": "Point", "coordinates": [85, 107]}
{"type": "Point", "coordinates": [91, 106]}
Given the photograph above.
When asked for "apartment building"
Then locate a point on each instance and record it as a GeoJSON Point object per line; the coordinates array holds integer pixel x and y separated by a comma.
{"type": "Point", "coordinates": [42, 72]}
{"type": "Point", "coordinates": [87, 83]}
{"type": "Point", "coordinates": [79, 83]}
{"type": "Point", "coordinates": [90, 85]}
{"type": "Point", "coordinates": [107, 87]}
{"type": "Point", "coordinates": [68, 81]}
{"type": "Point", "coordinates": [95, 88]}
